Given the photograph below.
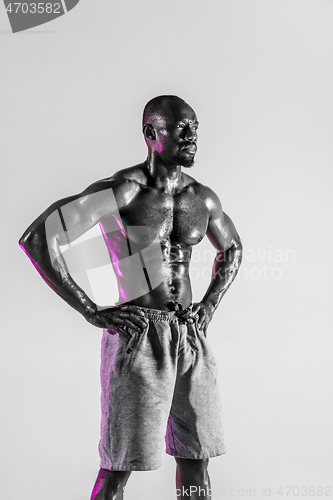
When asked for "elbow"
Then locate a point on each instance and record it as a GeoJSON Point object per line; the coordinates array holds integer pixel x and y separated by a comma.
{"type": "Point", "coordinates": [23, 240]}
{"type": "Point", "coordinates": [29, 242]}
{"type": "Point", "coordinates": [237, 246]}
{"type": "Point", "coordinates": [25, 244]}
{"type": "Point", "coordinates": [236, 250]}
{"type": "Point", "coordinates": [27, 239]}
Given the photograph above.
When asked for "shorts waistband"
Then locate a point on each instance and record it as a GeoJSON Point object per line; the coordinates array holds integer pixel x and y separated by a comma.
{"type": "Point", "coordinates": [160, 315]}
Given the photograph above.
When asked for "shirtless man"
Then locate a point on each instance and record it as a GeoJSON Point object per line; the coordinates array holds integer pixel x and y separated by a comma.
{"type": "Point", "coordinates": [158, 372]}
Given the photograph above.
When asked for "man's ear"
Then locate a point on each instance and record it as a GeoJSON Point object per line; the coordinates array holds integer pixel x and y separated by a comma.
{"type": "Point", "coordinates": [149, 132]}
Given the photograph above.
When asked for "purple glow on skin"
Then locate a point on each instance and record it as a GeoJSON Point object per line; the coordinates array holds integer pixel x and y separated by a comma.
{"type": "Point", "coordinates": [159, 149]}
{"type": "Point", "coordinates": [122, 293]}
{"type": "Point", "coordinates": [115, 260]}
{"type": "Point", "coordinates": [114, 244]}
{"type": "Point", "coordinates": [97, 487]}
{"type": "Point", "coordinates": [33, 261]}
{"type": "Point", "coordinates": [24, 250]}
{"type": "Point", "coordinates": [35, 264]}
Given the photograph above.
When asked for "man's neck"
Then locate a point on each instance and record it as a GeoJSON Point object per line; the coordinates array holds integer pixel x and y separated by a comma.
{"type": "Point", "coordinates": [166, 177]}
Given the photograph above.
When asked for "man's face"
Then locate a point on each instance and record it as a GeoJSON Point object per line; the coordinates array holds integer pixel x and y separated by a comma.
{"type": "Point", "coordinates": [176, 130]}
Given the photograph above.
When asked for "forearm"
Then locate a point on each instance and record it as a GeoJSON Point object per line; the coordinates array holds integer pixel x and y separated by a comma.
{"type": "Point", "coordinates": [55, 272]}
{"type": "Point", "coordinates": [225, 268]}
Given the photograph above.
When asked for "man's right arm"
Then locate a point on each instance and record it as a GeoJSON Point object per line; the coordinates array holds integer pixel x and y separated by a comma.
{"type": "Point", "coordinates": [62, 223]}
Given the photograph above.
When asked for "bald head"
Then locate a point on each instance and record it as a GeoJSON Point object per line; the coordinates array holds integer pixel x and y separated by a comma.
{"type": "Point", "coordinates": [159, 106]}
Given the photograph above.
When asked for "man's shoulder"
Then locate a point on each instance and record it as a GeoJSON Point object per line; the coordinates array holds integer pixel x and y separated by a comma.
{"type": "Point", "coordinates": [121, 180]}
{"type": "Point", "coordinates": [135, 174]}
{"type": "Point", "coordinates": [124, 185]}
{"type": "Point", "coordinates": [204, 192]}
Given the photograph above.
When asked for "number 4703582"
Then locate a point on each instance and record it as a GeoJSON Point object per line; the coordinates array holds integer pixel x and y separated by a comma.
{"type": "Point", "coordinates": [33, 8]}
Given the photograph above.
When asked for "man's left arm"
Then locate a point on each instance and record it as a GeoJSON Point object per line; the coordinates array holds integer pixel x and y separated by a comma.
{"type": "Point", "coordinates": [224, 237]}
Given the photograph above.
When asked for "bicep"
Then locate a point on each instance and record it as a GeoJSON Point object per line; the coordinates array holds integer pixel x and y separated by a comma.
{"type": "Point", "coordinates": [221, 230]}
{"type": "Point", "coordinates": [71, 217]}
{"type": "Point", "coordinates": [222, 233]}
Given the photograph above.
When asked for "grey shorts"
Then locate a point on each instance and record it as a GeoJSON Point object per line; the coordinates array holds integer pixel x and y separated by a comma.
{"type": "Point", "coordinates": [161, 383]}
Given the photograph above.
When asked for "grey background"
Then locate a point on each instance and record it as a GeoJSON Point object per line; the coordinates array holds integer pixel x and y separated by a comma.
{"type": "Point", "coordinates": [259, 75]}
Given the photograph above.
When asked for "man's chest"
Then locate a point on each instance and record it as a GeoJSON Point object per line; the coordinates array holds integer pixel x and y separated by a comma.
{"type": "Point", "coordinates": [181, 218]}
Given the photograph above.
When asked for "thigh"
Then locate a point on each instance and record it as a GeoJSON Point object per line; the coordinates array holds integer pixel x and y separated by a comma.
{"type": "Point", "coordinates": [137, 378]}
{"type": "Point", "coordinates": [195, 427]}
